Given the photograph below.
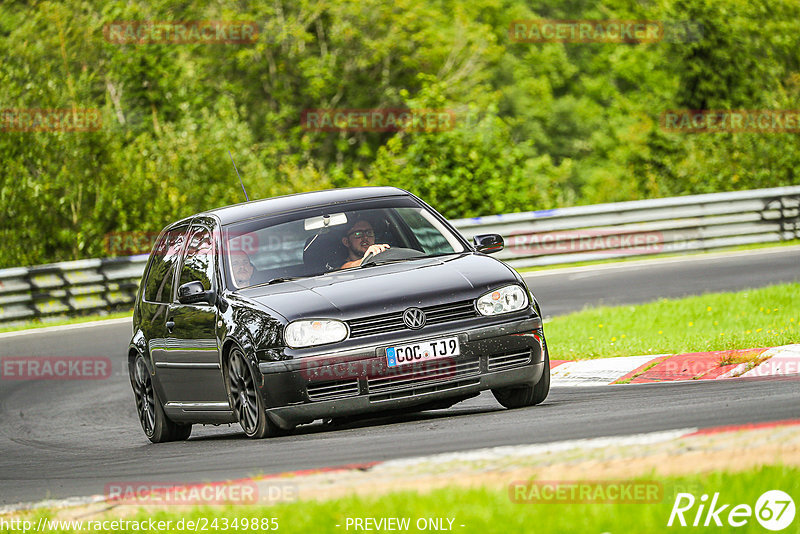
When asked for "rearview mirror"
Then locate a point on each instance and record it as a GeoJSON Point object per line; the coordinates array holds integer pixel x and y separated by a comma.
{"type": "Point", "coordinates": [315, 223]}
{"type": "Point", "coordinates": [488, 243]}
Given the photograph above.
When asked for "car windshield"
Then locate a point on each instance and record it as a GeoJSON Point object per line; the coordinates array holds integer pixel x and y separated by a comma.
{"type": "Point", "coordinates": [321, 240]}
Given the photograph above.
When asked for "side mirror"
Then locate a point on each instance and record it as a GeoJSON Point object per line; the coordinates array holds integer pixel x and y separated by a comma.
{"type": "Point", "coordinates": [193, 292]}
{"type": "Point", "coordinates": [488, 243]}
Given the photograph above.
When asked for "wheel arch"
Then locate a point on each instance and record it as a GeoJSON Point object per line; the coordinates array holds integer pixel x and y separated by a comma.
{"type": "Point", "coordinates": [250, 355]}
{"type": "Point", "coordinates": [133, 353]}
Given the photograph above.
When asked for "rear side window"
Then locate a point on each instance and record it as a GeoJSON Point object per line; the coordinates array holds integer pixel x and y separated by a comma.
{"type": "Point", "coordinates": [198, 263]}
{"type": "Point", "coordinates": [158, 287]}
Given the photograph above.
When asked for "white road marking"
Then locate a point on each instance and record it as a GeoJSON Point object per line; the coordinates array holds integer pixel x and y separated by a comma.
{"type": "Point", "coordinates": [51, 503]}
{"type": "Point", "coordinates": [511, 451]}
{"type": "Point", "coordinates": [596, 372]}
{"type": "Point", "coordinates": [65, 327]}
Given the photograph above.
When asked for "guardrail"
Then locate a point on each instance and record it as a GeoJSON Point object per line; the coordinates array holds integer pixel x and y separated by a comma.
{"type": "Point", "coordinates": [69, 288]}
{"type": "Point", "coordinates": [536, 238]}
{"type": "Point", "coordinates": [643, 227]}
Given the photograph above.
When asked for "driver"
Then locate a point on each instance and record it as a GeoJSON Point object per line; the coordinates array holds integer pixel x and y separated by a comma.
{"type": "Point", "coordinates": [359, 242]}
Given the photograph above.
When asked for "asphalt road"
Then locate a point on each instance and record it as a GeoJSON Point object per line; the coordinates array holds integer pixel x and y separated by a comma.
{"type": "Point", "coordinates": [62, 438]}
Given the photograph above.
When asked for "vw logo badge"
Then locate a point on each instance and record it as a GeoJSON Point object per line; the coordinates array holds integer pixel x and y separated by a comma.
{"type": "Point", "coordinates": [414, 318]}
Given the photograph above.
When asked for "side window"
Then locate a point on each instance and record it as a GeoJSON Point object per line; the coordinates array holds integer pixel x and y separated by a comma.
{"type": "Point", "coordinates": [198, 262]}
{"type": "Point", "coordinates": [158, 287]}
{"type": "Point", "coordinates": [431, 239]}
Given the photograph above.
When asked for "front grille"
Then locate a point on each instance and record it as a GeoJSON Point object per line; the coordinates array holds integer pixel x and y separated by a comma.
{"type": "Point", "coordinates": [508, 360]}
{"type": "Point", "coordinates": [332, 390]}
{"type": "Point", "coordinates": [424, 389]}
{"type": "Point", "coordinates": [418, 375]}
{"type": "Point", "coordinates": [393, 322]}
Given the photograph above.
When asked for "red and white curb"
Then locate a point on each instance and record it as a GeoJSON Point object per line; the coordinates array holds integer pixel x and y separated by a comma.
{"type": "Point", "coordinates": [758, 362]}
{"type": "Point", "coordinates": [538, 450]}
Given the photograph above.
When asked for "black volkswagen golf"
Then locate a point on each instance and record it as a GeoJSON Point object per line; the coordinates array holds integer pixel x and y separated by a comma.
{"type": "Point", "coordinates": [327, 305]}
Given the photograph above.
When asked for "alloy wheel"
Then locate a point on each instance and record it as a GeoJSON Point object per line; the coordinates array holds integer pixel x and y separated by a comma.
{"type": "Point", "coordinates": [243, 393]}
{"type": "Point", "coordinates": [145, 402]}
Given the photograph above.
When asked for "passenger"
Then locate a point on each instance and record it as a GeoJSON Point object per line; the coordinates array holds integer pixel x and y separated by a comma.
{"type": "Point", "coordinates": [242, 269]}
{"type": "Point", "coordinates": [360, 242]}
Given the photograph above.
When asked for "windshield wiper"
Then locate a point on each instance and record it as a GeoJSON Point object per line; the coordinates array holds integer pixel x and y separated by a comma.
{"type": "Point", "coordinates": [280, 279]}
{"type": "Point", "coordinates": [384, 262]}
{"type": "Point", "coordinates": [396, 255]}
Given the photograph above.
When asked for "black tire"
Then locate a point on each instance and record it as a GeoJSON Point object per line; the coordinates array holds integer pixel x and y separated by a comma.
{"type": "Point", "coordinates": [156, 425]}
{"type": "Point", "coordinates": [248, 406]}
{"type": "Point", "coordinates": [528, 394]}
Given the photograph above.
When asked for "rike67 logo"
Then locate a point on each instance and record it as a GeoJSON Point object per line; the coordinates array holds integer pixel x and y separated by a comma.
{"type": "Point", "coordinates": [774, 510]}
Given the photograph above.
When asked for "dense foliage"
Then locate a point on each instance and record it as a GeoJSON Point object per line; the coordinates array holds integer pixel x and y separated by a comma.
{"type": "Point", "coordinates": [539, 125]}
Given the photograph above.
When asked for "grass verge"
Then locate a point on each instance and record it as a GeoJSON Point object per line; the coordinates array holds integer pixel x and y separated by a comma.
{"type": "Point", "coordinates": [764, 317]}
{"type": "Point", "coordinates": [484, 510]}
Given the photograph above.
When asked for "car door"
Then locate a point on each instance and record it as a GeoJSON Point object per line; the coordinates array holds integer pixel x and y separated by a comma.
{"type": "Point", "coordinates": [194, 350]}
{"type": "Point", "coordinates": [157, 296]}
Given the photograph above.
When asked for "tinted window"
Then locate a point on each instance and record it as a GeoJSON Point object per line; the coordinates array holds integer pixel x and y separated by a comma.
{"type": "Point", "coordinates": [320, 240]}
{"type": "Point", "coordinates": [428, 231]}
{"type": "Point", "coordinates": [158, 287]}
{"type": "Point", "coordinates": [198, 263]}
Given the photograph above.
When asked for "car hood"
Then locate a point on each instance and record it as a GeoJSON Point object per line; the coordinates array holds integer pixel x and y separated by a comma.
{"type": "Point", "coordinates": [384, 288]}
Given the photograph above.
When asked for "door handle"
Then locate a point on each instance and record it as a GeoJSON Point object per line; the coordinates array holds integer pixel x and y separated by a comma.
{"type": "Point", "coordinates": [170, 325]}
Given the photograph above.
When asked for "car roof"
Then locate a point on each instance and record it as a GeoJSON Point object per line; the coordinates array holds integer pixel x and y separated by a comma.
{"type": "Point", "coordinates": [269, 206]}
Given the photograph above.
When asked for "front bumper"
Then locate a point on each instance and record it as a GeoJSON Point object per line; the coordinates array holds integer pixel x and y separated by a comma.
{"type": "Point", "coordinates": [358, 381]}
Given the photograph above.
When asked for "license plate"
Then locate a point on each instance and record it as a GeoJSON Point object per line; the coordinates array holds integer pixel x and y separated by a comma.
{"type": "Point", "coordinates": [422, 351]}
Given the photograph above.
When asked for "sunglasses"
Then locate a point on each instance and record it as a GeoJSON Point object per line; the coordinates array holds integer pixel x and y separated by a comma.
{"type": "Point", "coordinates": [358, 234]}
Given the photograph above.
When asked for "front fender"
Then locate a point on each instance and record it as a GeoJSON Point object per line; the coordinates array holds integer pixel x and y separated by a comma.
{"type": "Point", "coordinates": [257, 330]}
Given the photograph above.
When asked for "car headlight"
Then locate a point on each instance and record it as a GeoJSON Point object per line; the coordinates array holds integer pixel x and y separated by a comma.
{"type": "Point", "coordinates": [307, 333]}
{"type": "Point", "coordinates": [504, 300]}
